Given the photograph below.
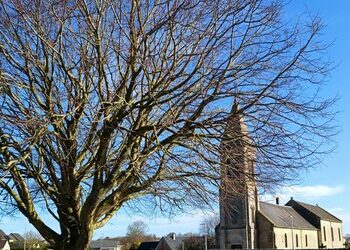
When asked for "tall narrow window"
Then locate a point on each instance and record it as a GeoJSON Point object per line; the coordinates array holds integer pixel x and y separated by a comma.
{"type": "Point", "coordinates": [339, 234]}
{"type": "Point", "coordinates": [324, 233]}
{"type": "Point", "coordinates": [296, 240]}
{"type": "Point", "coordinates": [332, 234]}
{"type": "Point", "coordinates": [285, 241]}
{"type": "Point", "coordinates": [306, 240]}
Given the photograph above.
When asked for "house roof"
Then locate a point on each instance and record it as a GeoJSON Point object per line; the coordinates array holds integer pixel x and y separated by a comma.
{"type": "Point", "coordinates": [316, 210]}
{"type": "Point", "coordinates": [173, 244]}
{"type": "Point", "coordinates": [280, 216]}
{"type": "Point", "coordinates": [104, 243]}
{"type": "Point", "coordinates": [2, 243]}
{"type": "Point", "coordinates": [16, 237]}
{"type": "Point", "coordinates": [3, 235]}
{"type": "Point", "coordinates": [148, 245]}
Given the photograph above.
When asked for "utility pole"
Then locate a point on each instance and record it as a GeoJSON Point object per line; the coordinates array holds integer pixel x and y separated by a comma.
{"type": "Point", "coordinates": [205, 236]}
{"type": "Point", "coordinates": [25, 237]}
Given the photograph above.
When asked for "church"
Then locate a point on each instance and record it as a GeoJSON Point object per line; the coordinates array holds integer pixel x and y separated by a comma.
{"type": "Point", "coordinates": [248, 223]}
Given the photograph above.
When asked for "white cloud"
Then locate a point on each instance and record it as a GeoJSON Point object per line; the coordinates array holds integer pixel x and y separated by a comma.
{"type": "Point", "coordinates": [303, 193]}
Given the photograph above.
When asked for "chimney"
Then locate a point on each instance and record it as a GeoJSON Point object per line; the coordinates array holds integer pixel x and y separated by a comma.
{"type": "Point", "coordinates": [291, 198]}
{"type": "Point", "coordinates": [277, 200]}
{"type": "Point", "coordinates": [172, 236]}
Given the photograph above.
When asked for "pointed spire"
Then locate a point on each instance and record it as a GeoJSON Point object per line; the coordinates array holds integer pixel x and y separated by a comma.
{"type": "Point", "coordinates": [236, 127]}
{"type": "Point", "coordinates": [236, 146]}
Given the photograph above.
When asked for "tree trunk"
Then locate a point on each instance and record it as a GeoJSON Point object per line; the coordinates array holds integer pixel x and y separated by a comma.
{"type": "Point", "coordinates": [79, 242]}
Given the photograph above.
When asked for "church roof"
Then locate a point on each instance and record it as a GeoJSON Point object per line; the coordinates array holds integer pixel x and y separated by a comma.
{"type": "Point", "coordinates": [280, 216]}
{"type": "Point", "coordinates": [316, 210]}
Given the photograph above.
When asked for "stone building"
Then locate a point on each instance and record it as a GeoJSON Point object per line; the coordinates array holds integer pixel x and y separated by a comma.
{"type": "Point", "coordinates": [330, 231]}
{"type": "Point", "coordinates": [247, 223]}
{"type": "Point", "coordinates": [276, 224]}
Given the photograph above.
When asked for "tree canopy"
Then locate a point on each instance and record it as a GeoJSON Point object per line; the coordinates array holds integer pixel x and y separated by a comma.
{"type": "Point", "coordinates": [111, 103]}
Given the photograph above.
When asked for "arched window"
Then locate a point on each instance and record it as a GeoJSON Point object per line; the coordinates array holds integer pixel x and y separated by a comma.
{"type": "Point", "coordinates": [339, 234]}
{"type": "Point", "coordinates": [306, 240]}
{"type": "Point", "coordinates": [324, 233]}
{"type": "Point", "coordinates": [332, 234]}
{"type": "Point", "coordinates": [296, 240]}
{"type": "Point", "coordinates": [285, 240]}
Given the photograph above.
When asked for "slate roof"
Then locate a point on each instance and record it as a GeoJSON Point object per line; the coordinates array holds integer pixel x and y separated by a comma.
{"type": "Point", "coordinates": [2, 243]}
{"type": "Point", "coordinates": [16, 237]}
{"type": "Point", "coordinates": [104, 243]}
{"type": "Point", "coordinates": [3, 235]}
{"type": "Point", "coordinates": [173, 244]}
{"type": "Point", "coordinates": [316, 210]}
{"type": "Point", "coordinates": [280, 216]}
{"type": "Point", "coordinates": [148, 245]}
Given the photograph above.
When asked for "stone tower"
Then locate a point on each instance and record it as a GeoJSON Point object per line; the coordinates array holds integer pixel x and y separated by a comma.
{"type": "Point", "coordinates": [238, 193]}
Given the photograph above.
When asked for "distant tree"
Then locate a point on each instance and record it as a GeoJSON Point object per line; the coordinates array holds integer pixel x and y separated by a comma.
{"type": "Point", "coordinates": [32, 240]}
{"type": "Point", "coordinates": [193, 242]}
{"type": "Point", "coordinates": [109, 104]}
{"type": "Point", "coordinates": [347, 241]}
{"type": "Point", "coordinates": [137, 229]}
{"type": "Point", "coordinates": [136, 233]}
{"type": "Point", "coordinates": [207, 227]}
{"type": "Point", "coordinates": [208, 224]}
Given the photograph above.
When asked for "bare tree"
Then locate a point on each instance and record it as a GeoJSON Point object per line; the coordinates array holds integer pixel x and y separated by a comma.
{"type": "Point", "coordinates": [136, 233]}
{"type": "Point", "coordinates": [208, 225]}
{"type": "Point", "coordinates": [31, 240]}
{"type": "Point", "coordinates": [107, 103]}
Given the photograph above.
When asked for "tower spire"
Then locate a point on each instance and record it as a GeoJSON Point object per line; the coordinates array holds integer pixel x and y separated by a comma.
{"type": "Point", "coordinates": [238, 197]}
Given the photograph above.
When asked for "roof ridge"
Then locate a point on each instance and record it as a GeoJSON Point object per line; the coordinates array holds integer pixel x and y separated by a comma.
{"type": "Point", "coordinates": [288, 207]}
{"type": "Point", "coordinates": [319, 207]}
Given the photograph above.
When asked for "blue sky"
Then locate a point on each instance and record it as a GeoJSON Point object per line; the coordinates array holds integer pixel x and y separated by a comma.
{"type": "Point", "coordinates": [328, 185]}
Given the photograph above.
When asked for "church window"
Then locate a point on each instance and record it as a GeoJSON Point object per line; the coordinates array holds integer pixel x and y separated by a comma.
{"type": "Point", "coordinates": [306, 240]}
{"type": "Point", "coordinates": [332, 234]}
{"type": "Point", "coordinates": [285, 241]}
{"type": "Point", "coordinates": [339, 234]}
{"type": "Point", "coordinates": [296, 240]}
{"type": "Point", "coordinates": [324, 233]}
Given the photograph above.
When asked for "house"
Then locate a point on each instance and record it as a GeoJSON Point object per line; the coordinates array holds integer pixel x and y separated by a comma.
{"type": "Point", "coordinates": [3, 235]}
{"type": "Point", "coordinates": [4, 245]}
{"type": "Point", "coordinates": [173, 242]}
{"type": "Point", "coordinates": [105, 244]}
{"type": "Point", "coordinates": [15, 237]}
{"type": "Point", "coordinates": [246, 222]}
{"type": "Point", "coordinates": [170, 242]}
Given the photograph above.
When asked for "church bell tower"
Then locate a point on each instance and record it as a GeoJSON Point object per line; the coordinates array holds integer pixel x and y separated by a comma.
{"type": "Point", "coordinates": [238, 192]}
